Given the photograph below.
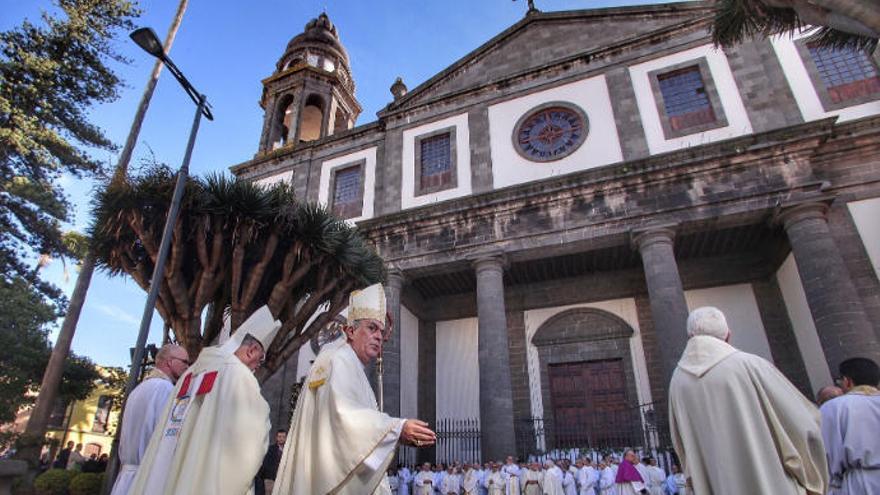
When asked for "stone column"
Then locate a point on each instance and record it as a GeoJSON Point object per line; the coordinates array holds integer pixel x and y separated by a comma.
{"type": "Point", "coordinates": [496, 396]}
{"type": "Point", "coordinates": [391, 349]}
{"type": "Point", "coordinates": [669, 309]}
{"type": "Point", "coordinates": [841, 322]}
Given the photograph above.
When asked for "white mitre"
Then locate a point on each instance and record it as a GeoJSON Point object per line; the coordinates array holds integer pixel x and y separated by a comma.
{"type": "Point", "coordinates": [261, 325]}
{"type": "Point", "coordinates": [367, 304]}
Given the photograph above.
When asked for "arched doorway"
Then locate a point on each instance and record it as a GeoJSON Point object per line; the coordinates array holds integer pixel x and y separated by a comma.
{"type": "Point", "coordinates": [587, 381]}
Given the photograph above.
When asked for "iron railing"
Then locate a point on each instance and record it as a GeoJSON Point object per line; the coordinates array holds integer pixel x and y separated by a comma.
{"type": "Point", "coordinates": [642, 427]}
{"type": "Point", "coordinates": [458, 440]}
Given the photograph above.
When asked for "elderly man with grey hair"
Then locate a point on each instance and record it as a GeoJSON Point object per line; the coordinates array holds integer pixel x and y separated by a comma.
{"type": "Point", "coordinates": [737, 424]}
{"type": "Point", "coordinates": [143, 410]}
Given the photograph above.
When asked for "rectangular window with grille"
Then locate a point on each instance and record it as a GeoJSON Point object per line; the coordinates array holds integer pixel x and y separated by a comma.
{"type": "Point", "coordinates": [847, 74]}
{"type": "Point", "coordinates": [685, 99]}
{"type": "Point", "coordinates": [348, 192]}
{"type": "Point", "coordinates": [435, 163]}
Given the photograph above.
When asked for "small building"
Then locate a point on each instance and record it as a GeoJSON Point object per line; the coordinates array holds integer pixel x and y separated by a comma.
{"type": "Point", "coordinates": [553, 204]}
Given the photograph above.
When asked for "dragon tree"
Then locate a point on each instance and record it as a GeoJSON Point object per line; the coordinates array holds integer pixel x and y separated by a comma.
{"type": "Point", "coordinates": [236, 246]}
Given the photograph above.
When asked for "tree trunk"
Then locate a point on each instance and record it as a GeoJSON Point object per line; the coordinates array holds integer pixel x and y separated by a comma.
{"type": "Point", "coordinates": [857, 13]}
{"type": "Point", "coordinates": [31, 441]}
{"type": "Point", "coordinates": [35, 432]}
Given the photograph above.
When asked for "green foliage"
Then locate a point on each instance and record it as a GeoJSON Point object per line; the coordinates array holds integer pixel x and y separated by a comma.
{"type": "Point", "coordinates": [738, 20]}
{"type": "Point", "coordinates": [51, 73]}
{"type": "Point", "coordinates": [53, 482]}
{"type": "Point", "coordinates": [86, 484]}
{"type": "Point", "coordinates": [25, 349]}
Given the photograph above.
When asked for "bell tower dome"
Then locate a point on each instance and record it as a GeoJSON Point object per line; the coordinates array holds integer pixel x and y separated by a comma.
{"type": "Point", "coordinates": [311, 93]}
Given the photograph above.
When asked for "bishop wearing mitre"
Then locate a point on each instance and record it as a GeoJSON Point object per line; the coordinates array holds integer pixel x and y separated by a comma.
{"type": "Point", "coordinates": [339, 442]}
{"type": "Point", "coordinates": [214, 432]}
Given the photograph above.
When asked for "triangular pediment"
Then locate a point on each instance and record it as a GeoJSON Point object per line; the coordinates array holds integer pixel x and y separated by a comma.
{"type": "Point", "coordinates": [540, 39]}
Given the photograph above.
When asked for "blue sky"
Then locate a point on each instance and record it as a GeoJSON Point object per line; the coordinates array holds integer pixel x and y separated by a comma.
{"type": "Point", "coordinates": [225, 48]}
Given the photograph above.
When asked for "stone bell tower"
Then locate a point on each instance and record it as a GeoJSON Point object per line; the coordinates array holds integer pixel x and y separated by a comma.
{"type": "Point", "coordinates": [311, 93]}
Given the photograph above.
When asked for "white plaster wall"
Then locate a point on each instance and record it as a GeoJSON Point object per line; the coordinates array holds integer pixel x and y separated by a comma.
{"type": "Point", "coordinates": [458, 370]}
{"type": "Point", "coordinates": [601, 146]}
{"type": "Point", "coordinates": [804, 92]}
{"type": "Point", "coordinates": [866, 216]}
{"type": "Point", "coordinates": [409, 363]}
{"type": "Point", "coordinates": [623, 308]}
{"type": "Point", "coordinates": [737, 119]}
{"type": "Point", "coordinates": [274, 179]}
{"type": "Point", "coordinates": [369, 157]}
{"type": "Point", "coordinates": [463, 162]}
{"type": "Point", "coordinates": [802, 321]}
{"type": "Point", "coordinates": [740, 308]}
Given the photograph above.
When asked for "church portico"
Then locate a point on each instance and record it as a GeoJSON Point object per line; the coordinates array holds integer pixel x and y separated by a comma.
{"type": "Point", "coordinates": [532, 279]}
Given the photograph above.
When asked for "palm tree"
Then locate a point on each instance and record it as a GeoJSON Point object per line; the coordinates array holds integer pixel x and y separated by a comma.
{"type": "Point", "coordinates": [841, 23]}
{"type": "Point", "coordinates": [236, 247]}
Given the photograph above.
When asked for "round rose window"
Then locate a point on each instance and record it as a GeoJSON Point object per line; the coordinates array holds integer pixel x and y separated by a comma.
{"type": "Point", "coordinates": [550, 132]}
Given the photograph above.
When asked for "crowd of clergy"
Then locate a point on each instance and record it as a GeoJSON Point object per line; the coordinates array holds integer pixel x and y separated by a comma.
{"type": "Point", "coordinates": [609, 476]}
{"type": "Point", "coordinates": [738, 426]}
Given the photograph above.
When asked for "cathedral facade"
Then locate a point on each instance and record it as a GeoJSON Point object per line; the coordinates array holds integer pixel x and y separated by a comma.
{"type": "Point", "coordinates": [552, 205]}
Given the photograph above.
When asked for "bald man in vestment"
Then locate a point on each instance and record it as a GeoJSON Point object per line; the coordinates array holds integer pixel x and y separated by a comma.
{"type": "Point", "coordinates": [738, 425]}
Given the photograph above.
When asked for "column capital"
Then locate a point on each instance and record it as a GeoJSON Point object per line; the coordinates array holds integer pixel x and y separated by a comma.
{"type": "Point", "coordinates": [395, 278]}
{"type": "Point", "coordinates": [792, 215]}
{"type": "Point", "coordinates": [494, 260]}
{"type": "Point", "coordinates": [647, 236]}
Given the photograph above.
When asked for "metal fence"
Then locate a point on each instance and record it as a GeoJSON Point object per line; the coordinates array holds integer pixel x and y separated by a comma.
{"type": "Point", "coordinates": [642, 427]}
{"type": "Point", "coordinates": [458, 440]}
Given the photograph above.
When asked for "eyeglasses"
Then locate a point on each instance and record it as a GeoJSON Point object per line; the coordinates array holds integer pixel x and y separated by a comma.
{"type": "Point", "coordinates": [184, 361]}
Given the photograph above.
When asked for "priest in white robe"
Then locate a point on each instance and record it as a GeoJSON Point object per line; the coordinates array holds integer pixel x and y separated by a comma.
{"type": "Point", "coordinates": [470, 483]}
{"type": "Point", "coordinates": [424, 481]}
{"type": "Point", "coordinates": [587, 477]}
{"type": "Point", "coordinates": [569, 484]}
{"type": "Point", "coordinates": [215, 431]}
{"type": "Point", "coordinates": [552, 484]}
{"type": "Point", "coordinates": [450, 485]}
{"type": "Point", "coordinates": [339, 440]}
{"type": "Point", "coordinates": [737, 424]}
{"type": "Point", "coordinates": [851, 429]}
{"type": "Point", "coordinates": [143, 409]}
{"type": "Point", "coordinates": [405, 477]}
{"type": "Point", "coordinates": [656, 476]}
{"type": "Point", "coordinates": [495, 481]}
{"type": "Point", "coordinates": [607, 476]}
{"type": "Point", "coordinates": [532, 480]}
{"type": "Point", "coordinates": [512, 475]}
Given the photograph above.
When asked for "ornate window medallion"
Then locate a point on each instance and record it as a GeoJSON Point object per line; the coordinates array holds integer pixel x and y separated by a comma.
{"type": "Point", "coordinates": [550, 131]}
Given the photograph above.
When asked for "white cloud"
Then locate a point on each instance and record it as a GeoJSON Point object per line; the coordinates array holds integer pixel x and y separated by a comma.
{"type": "Point", "coordinates": [118, 314]}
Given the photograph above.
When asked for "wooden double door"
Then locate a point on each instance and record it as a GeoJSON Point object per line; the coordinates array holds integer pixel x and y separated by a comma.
{"type": "Point", "coordinates": [589, 405]}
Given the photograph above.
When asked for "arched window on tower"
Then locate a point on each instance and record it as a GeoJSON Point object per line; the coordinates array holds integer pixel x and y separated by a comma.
{"type": "Point", "coordinates": [341, 122]}
{"type": "Point", "coordinates": [312, 119]}
{"type": "Point", "coordinates": [283, 121]}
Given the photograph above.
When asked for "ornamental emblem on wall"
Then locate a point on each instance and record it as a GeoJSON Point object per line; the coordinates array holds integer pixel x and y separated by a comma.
{"type": "Point", "coordinates": [550, 131]}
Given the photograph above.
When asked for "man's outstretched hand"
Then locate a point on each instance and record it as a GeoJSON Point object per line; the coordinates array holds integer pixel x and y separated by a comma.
{"type": "Point", "coordinates": [417, 433]}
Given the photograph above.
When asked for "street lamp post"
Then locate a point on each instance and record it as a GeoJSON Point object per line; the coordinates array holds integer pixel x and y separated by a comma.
{"type": "Point", "coordinates": [146, 38]}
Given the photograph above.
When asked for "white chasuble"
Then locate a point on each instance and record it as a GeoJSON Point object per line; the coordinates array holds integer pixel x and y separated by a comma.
{"type": "Point", "coordinates": [532, 482]}
{"type": "Point", "coordinates": [470, 484]}
{"type": "Point", "coordinates": [338, 440]}
{"type": "Point", "coordinates": [765, 435]}
{"type": "Point", "coordinates": [213, 433]}
{"type": "Point", "coordinates": [495, 483]}
{"type": "Point", "coordinates": [424, 483]}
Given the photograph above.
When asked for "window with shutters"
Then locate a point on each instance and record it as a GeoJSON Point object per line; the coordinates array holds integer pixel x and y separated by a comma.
{"type": "Point", "coordinates": [435, 162]}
